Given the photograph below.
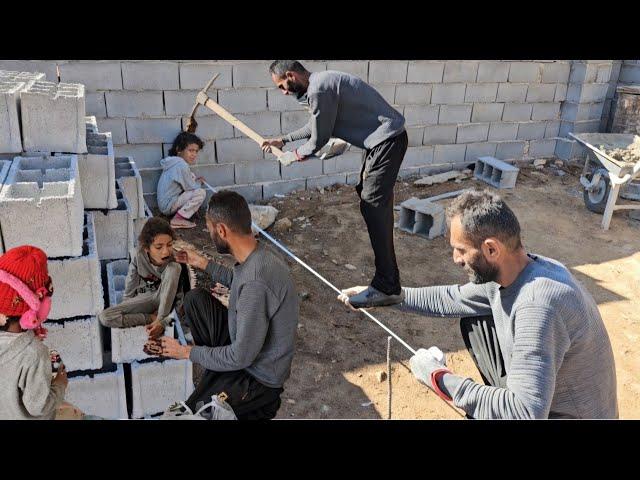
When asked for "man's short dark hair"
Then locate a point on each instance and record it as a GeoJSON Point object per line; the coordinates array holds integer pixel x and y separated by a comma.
{"type": "Point", "coordinates": [230, 208]}
{"type": "Point", "coordinates": [484, 214]}
{"type": "Point", "coordinates": [281, 67]}
{"type": "Point", "coordinates": [155, 226]}
{"type": "Point", "coordinates": [183, 140]}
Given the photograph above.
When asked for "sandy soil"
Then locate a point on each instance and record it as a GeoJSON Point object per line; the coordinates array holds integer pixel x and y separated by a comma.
{"type": "Point", "coordinates": [340, 353]}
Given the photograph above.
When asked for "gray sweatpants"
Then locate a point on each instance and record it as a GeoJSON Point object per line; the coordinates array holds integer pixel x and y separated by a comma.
{"type": "Point", "coordinates": [136, 311]}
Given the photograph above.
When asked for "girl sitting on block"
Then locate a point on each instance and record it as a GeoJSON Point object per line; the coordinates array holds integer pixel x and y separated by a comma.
{"type": "Point", "coordinates": [155, 283]}
{"type": "Point", "coordinates": [179, 191]}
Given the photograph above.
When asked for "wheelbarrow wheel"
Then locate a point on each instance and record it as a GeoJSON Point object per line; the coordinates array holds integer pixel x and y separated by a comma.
{"type": "Point", "coordinates": [596, 200]}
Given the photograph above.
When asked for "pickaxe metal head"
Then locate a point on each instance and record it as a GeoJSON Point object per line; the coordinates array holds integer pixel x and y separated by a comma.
{"type": "Point", "coordinates": [201, 99]}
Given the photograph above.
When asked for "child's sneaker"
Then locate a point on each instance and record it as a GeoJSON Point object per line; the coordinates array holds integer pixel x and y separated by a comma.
{"type": "Point", "coordinates": [178, 221]}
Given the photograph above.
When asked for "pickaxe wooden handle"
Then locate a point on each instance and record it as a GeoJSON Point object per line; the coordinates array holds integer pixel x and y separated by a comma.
{"type": "Point", "coordinates": [203, 99]}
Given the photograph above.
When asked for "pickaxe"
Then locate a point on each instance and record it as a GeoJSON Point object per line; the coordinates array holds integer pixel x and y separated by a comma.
{"type": "Point", "coordinates": [203, 99]}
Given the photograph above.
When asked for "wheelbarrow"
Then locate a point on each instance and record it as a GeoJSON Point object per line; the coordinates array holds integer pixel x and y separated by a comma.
{"type": "Point", "coordinates": [608, 178]}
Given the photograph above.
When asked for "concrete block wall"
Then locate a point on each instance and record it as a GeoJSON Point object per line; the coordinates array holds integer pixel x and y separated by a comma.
{"type": "Point", "coordinates": [583, 106]}
{"type": "Point", "coordinates": [455, 111]}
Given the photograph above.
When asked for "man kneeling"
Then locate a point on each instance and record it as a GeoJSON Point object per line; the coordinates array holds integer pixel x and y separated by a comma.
{"type": "Point", "coordinates": [533, 330]}
{"type": "Point", "coordinates": [246, 349]}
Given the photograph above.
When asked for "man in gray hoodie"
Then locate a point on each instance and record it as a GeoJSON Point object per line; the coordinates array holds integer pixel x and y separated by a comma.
{"type": "Point", "coordinates": [344, 106]}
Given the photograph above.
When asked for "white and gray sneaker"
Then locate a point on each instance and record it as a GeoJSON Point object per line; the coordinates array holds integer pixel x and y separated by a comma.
{"type": "Point", "coordinates": [372, 297]}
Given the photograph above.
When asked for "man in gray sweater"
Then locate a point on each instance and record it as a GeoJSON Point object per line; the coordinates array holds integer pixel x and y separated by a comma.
{"type": "Point", "coordinates": [343, 106]}
{"type": "Point", "coordinates": [534, 332]}
{"type": "Point", "coordinates": [246, 349]}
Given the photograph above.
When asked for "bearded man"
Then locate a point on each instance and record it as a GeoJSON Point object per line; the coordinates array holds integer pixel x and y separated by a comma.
{"type": "Point", "coordinates": [533, 331]}
{"type": "Point", "coordinates": [246, 340]}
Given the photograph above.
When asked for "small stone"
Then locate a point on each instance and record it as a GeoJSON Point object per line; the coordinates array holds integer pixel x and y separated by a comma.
{"type": "Point", "coordinates": [539, 162]}
{"type": "Point", "coordinates": [303, 295]}
{"type": "Point", "coordinates": [300, 325]}
{"type": "Point", "coordinates": [325, 408]}
{"type": "Point", "coordinates": [325, 253]}
{"type": "Point", "coordinates": [348, 266]}
{"type": "Point", "coordinates": [558, 163]}
{"type": "Point", "coordinates": [321, 190]}
{"type": "Point", "coordinates": [282, 225]}
{"type": "Point", "coordinates": [333, 360]}
{"type": "Point", "coordinates": [334, 261]}
{"type": "Point", "coordinates": [381, 376]}
{"type": "Point", "coordinates": [291, 401]}
{"type": "Point", "coordinates": [366, 404]}
{"type": "Point", "coordinates": [300, 219]}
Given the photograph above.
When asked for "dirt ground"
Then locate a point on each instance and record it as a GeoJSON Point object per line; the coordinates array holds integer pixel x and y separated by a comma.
{"type": "Point", "coordinates": [340, 353]}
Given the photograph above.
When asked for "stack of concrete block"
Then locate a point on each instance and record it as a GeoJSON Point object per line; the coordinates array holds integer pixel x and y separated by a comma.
{"type": "Point", "coordinates": [5, 165]}
{"type": "Point", "coordinates": [41, 205]}
{"type": "Point", "coordinates": [28, 78]}
{"type": "Point", "coordinates": [10, 139]}
{"type": "Point", "coordinates": [97, 172]}
{"type": "Point", "coordinates": [496, 173]}
{"type": "Point", "coordinates": [422, 217]}
{"type": "Point", "coordinates": [157, 384]}
{"type": "Point", "coordinates": [130, 183]}
{"type": "Point", "coordinates": [53, 118]}
{"type": "Point", "coordinates": [101, 392]}
{"type": "Point", "coordinates": [77, 281]}
{"type": "Point", "coordinates": [79, 342]}
{"type": "Point", "coordinates": [114, 230]}
{"type": "Point", "coordinates": [126, 343]}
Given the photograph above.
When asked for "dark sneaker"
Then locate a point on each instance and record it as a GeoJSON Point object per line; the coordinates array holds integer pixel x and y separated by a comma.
{"type": "Point", "coordinates": [374, 298]}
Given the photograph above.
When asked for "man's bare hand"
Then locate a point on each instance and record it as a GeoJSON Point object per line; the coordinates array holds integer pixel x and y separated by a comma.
{"type": "Point", "coordinates": [171, 348]}
{"type": "Point", "coordinates": [190, 257]}
{"type": "Point", "coordinates": [154, 329]}
{"type": "Point", "coordinates": [221, 293]}
{"type": "Point", "coordinates": [350, 292]}
{"type": "Point", "coordinates": [272, 142]}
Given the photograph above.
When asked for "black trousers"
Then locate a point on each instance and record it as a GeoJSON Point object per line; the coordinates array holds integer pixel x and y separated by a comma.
{"type": "Point", "coordinates": [250, 399]}
{"type": "Point", "coordinates": [375, 189]}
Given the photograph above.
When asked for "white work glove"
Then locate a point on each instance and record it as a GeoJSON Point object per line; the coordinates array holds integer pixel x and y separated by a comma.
{"type": "Point", "coordinates": [332, 148]}
{"type": "Point", "coordinates": [287, 158]}
{"type": "Point", "coordinates": [425, 363]}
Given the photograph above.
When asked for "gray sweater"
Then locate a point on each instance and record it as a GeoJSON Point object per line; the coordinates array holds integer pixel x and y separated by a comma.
{"type": "Point", "coordinates": [263, 319]}
{"type": "Point", "coordinates": [176, 178]}
{"type": "Point", "coordinates": [557, 353]}
{"type": "Point", "coordinates": [26, 391]}
{"type": "Point", "coordinates": [345, 107]}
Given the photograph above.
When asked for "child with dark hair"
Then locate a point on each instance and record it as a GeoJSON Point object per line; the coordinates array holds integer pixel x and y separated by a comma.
{"type": "Point", "coordinates": [27, 389]}
{"type": "Point", "coordinates": [155, 283]}
{"type": "Point", "coordinates": [179, 190]}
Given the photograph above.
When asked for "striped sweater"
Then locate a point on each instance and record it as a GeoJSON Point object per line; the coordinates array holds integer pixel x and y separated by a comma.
{"type": "Point", "coordinates": [557, 354]}
{"type": "Point", "coordinates": [263, 319]}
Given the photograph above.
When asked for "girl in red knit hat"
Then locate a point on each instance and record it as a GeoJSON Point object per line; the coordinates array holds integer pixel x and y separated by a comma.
{"type": "Point", "coordinates": [27, 390]}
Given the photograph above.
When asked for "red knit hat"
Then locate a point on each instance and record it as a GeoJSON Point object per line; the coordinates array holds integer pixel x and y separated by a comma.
{"type": "Point", "coordinates": [28, 264]}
